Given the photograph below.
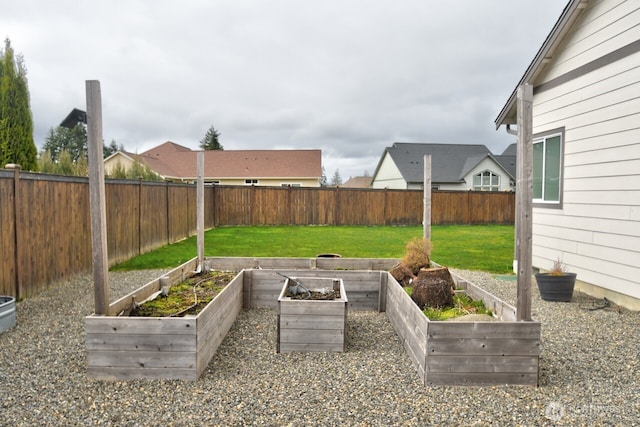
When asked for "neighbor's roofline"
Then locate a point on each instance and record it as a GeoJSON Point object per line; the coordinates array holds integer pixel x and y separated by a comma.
{"type": "Point", "coordinates": [542, 57]}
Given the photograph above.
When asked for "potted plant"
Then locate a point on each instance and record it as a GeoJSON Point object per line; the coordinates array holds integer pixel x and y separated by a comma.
{"type": "Point", "coordinates": [557, 284]}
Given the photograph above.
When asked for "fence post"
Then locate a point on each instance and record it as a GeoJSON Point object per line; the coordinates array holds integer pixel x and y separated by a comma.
{"type": "Point", "coordinates": [17, 222]}
{"type": "Point", "coordinates": [426, 220]}
{"type": "Point", "coordinates": [200, 210]}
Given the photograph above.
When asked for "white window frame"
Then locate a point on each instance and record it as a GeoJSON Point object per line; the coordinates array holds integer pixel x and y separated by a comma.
{"type": "Point", "coordinates": [251, 181]}
{"type": "Point", "coordinates": [486, 187]}
{"type": "Point", "coordinates": [542, 138]}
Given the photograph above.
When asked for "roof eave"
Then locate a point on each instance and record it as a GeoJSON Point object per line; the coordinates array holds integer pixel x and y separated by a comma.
{"type": "Point", "coordinates": [569, 15]}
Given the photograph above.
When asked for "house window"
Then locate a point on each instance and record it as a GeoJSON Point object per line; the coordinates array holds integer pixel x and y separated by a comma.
{"type": "Point", "coordinates": [547, 167]}
{"type": "Point", "coordinates": [486, 181]}
{"type": "Point", "coordinates": [250, 181]}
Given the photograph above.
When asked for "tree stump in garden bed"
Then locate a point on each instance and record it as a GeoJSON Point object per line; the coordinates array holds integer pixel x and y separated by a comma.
{"type": "Point", "coordinates": [434, 287]}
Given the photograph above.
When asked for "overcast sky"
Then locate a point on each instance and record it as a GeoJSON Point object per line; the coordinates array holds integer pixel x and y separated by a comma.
{"type": "Point", "coordinates": [349, 77]}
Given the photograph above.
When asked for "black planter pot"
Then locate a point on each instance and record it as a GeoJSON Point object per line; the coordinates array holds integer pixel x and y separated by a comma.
{"type": "Point", "coordinates": [556, 287]}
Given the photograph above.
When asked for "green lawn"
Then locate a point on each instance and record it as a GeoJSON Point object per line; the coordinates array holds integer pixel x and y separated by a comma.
{"type": "Point", "coordinates": [487, 248]}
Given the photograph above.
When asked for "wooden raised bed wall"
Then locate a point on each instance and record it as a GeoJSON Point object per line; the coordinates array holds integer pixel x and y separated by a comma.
{"type": "Point", "coordinates": [123, 347]}
{"type": "Point", "coordinates": [312, 325]}
{"type": "Point", "coordinates": [466, 353]}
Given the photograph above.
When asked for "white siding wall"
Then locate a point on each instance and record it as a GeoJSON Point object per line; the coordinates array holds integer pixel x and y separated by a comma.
{"type": "Point", "coordinates": [597, 231]}
{"type": "Point", "coordinates": [388, 175]}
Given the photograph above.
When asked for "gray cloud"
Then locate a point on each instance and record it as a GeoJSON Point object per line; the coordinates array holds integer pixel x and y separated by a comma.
{"type": "Point", "coordinates": [348, 77]}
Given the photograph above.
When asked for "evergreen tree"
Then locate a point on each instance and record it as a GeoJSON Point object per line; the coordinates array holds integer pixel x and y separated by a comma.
{"type": "Point", "coordinates": [336, 179]}
{"type": "Point", "coordinates": [73, 141]}
{"type": "Point", "coordinates": [210, 140]}
{"type": "Point", "coordinates": [16, 123]}
{"type": "Point", "coordinates": [323, 178]}
{"type": "Point", "coordinates": [113, 147]}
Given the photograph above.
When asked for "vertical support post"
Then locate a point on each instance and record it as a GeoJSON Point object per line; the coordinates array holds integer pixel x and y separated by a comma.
{"type": "Point", "coordinates": [18, 223]}
{"type": "Point", "coordinates": [426, 219]}
{"type": "Point", "coordinates": [524, 205]}
{"type": "Point", "coordinates": [97, 198]}
{"type": "Point", "coordinates": [200, 211]}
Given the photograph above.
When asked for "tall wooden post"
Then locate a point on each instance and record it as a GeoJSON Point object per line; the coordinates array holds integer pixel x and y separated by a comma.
{"type": "Point", "coordinates": [524, 205]}
{"type": "Point", "coordinates": [97, 198]}
{"type": "Point", "coordinates": [200, 211]}
{"type": "Point", "coordinates": [18, 223]}
{"type": "Point", "coordinates": [426, 212]}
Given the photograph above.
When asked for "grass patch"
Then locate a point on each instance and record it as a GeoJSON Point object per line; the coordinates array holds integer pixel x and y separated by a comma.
{"type": "Point", "coordinates": [485, 248]}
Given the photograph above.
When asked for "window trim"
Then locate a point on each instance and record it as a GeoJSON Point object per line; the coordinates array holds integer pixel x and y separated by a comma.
{"type": "Point", "coordinates": [539, 203]}
{"type": "Point", "coordinates": [488, 187]}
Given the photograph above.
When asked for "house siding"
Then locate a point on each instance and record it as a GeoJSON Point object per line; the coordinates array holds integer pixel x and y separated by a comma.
{"type": "Point", "coordinates": [388, 175]}
{"type": "Point", "coordinates": [607, 26]}
{"type": "Point", "coordinates": [597, 230]}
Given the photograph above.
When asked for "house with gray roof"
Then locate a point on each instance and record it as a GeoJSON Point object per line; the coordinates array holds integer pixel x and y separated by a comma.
{"type": "Point", "coordinates": [459, 167]}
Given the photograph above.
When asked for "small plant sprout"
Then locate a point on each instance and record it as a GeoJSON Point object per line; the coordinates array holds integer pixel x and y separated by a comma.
{"type": "Point", "coordinates": [558, 269]}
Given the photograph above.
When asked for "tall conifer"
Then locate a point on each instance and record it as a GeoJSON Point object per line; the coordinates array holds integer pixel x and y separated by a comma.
{"type": "Point", "coordinates": [16, 123]}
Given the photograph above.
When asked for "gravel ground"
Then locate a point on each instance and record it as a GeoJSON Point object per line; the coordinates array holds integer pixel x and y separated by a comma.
{"type": "Point", "coordinates": [589, 375]}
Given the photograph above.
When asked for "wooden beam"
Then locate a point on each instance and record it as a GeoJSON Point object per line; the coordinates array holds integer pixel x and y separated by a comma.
{"type": "Point", "coordinates": [426, 220]}
{"type": "Point", "coordinates": [97, 198]}
{"type": "Point", "coordinates": [18, 224]}
{"type": "Point", "coordinates": [524, 205]}
{"type": "Point", "coordinates": [200, 211]}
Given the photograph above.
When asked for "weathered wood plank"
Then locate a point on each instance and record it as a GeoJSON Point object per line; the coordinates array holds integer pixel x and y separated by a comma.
{"type": "Point", "coordinates": [327, 308]}
{"type": "Point", "coordinates": [141, 342]}
{"type": "Point", "coordinates": [311, 322]}
{"type": "Point", "coordinates": [123, 373]}
{"type": "Point", "coordinates": [95, 324]}
{"type": "Point", "coordinates": [312, 336]}
{"type": "Point", "coordinates": [226, 297]}
{"type": "Point", "coordinates": [142, 359]}
{"type": "Point", "coordinates": [516, 330]}
{"type": "Point", "coordinates": [481, 379]}
{"type": "Point", "coordinates": [311, 347]}
{"type": "Point", "coordinates": [482, 364]}
{"type": "Point", "coordinates": [480, 346]}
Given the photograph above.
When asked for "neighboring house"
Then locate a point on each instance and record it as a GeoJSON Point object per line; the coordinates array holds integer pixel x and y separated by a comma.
{"type": "Point", "coordinates": [174, 162]}
{"type": "Point", "coordinates": [586, 145]}
{"type": "Point", "coordinates": [358, 182]}
{"type": "Point", "coordinates": [453, 167]}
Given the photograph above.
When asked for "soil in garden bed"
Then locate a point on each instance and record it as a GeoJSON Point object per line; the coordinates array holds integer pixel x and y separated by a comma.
{"type": "Point", "coordinates": [186, 298]}
{"type": "Point", "coordinates": [463, 305]}
{"type": "Point", "coordinates": [328, 295]}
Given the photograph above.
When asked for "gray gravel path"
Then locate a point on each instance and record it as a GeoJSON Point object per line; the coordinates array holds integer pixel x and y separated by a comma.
{"type": "Point", "coordinates": [590, 373]}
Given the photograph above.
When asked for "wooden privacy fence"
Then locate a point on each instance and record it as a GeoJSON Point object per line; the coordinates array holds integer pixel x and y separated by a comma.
{"type": "Point", "coordinates": [356, 206]}
{"type": "Point", "coordinates": [45, 225]}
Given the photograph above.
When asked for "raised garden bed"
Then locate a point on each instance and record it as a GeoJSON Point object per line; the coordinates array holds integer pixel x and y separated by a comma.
{"type": "Point", "coordinates": [123, 347]}
{"type": "Point", "coordinates": [474, 353]}
{"type": "Point", "coordinates": [313, 317]}
{"type": "Point", "coordinates": [453, 353]}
